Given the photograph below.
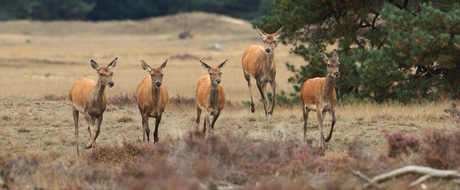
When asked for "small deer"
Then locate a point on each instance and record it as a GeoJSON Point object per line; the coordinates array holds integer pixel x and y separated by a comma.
{"type": "Point", "coordinates": [259, 63]}
{"type": "Point", "coordinates": [152, 98]}
{"type": "Point", "coordinates": [210, 96]}
{"type": "Point", "coordinates": [88, 98]}
{"type": "Point", "coordinates": [318, 94]}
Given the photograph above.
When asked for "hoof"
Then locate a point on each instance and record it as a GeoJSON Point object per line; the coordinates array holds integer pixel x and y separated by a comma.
{"type": "Point", "coordinates": [253, 110]}
{"type": "Point", "coordinates": [89, 145]}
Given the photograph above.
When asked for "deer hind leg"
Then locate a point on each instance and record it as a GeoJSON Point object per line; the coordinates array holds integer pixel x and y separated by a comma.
{"type": "Point", "coordinates": [334, 119]}
{"type": "Point", "coordinates": [263, 93]}
{"type": "Point", "coordinates": [319, 114]}
{"type": "Point", "coordinates": [305, 112]}
{"type": "Point", "coordinates": [155, 133]}
{"type": "Point", "coordinates": [272, 107]}
{"type": "Point", "coordinates": [248, 78]}
{"type": "Point", "coordinates": [145, 127]}
{"type": "Point", "coordinates": [198, 115]}
{"type": "Point", "coordinates": [75, 114]}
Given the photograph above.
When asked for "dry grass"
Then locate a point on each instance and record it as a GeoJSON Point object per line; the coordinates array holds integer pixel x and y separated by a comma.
{"type": "Point", "coordinates": [39, 64]}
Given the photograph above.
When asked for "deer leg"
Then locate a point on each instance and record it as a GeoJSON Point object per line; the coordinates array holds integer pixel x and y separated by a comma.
{"type": "Point", "coordinates": [272, 107]}
{"type": "Point", "coordinates": [155, 133]}
{"type": "Point", "coordinates": [263, 93]}
{"type": "Point", "coordinates": [214, 119]}
{"type": "Point", "coordinates": [204, 121]}
{"type": "Point", "coordinates": [98, 130]}
{"type": "Point", "coordinates": [319, 114]}
{"type": "Point", "coordinates": [334, 119]}
{"type": "Point", "coordinates": [248, 78]}
{"type": "Point", "coordinates": [198, 115]}
{"type": "Point", "coordinates": [75, 114]}
{"type": "Point", "coordinates": [208, 121]}
{"type": "Point", "coordinates": [90, 119]}
{"type": "Point", "coordinates": [305, 121]}
{"type": "Point", "coordinates": [145, 127]}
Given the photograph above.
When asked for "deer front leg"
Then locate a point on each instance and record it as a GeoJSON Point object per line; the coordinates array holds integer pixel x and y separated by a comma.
{"type": "Point", "coordinates": [214, 118]}
{"type": "Point", "coordinates": [145, 127]}
{"type": "Point", "coordinates": [155, 133]}
{"type": "Point", "coordinates": [319, 114]}
{"type": "Point", "coordinates": [248, 78]}
{"type": "Point", "coordinates": [90, 119]}
{"type": "Point", "coordinates": [272, 107]}
{"type": "Point", "coordinates": [204, 121]}
{"type": "Point", "coordinates": [305, 112]}
{"type": "Point", "coordinates": [98, 130]}
{"type": "Point", "coordinates": [332, 113]}
{"type": "Point", "coordinates": [75, 114]}
{"type": "Point", "coordinates": [263, 93]}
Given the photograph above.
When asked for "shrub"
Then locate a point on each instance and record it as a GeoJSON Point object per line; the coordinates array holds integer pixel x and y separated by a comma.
{"type": "Point", "coordinates": [440, 150]}
{"type": "Point", "coordinates": [54, 97]}
{"type": "Point", "coordinates": [126, 99]}
{"type": "Point", "coordinates": [399, 143]}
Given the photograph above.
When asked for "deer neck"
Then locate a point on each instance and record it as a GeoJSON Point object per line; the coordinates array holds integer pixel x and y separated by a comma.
{"type": "Point", "coordinates": [98, 93]}
{"type": "Point", "coordinates": [328, 89]}
{"type": "Point", "coordinates": [213, 95]}
{"type": "Point", "coordinates": [268, 62]}
{"type": "Point", "coordinates": [155, 96]}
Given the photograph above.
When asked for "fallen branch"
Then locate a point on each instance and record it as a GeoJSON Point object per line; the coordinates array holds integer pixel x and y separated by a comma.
{"type": "Point", "coordinates": [427, 171]}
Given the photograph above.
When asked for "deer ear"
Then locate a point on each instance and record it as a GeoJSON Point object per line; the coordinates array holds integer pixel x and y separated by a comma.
{"type": "Point", "coordinates": [164, 65]}
{"type": "Point", "coordinates": [335, 55]}
{"type": "Point", "coordinates": [278, 33]}
{"type": "Point", "coordinates": [204, 65]}
{"type": "Point", "coordinates": [323, 56]}
{"type": "Point", "coordinates": [261, 32]}
{"type": "Point", "coordinates": [94, 65]}
{"type": "Point", "coordinates": [113, 63]}
{"type": "Point", "coordinates": [222, 65]}
{"type": "Point", "coordinates": [145, 66]}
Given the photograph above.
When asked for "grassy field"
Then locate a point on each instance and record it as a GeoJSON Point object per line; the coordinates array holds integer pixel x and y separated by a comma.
{"type": "Point", "coordinates": [39, 59]}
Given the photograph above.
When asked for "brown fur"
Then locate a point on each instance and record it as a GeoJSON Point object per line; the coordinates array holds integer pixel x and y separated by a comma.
{"type": "Point", "coordinates": [210, 96]}
{"type": "Point", "coordinates": [318, 94]}
{"type": "Point", "coordinates": [152, 100]}
{"type": "Point", "coordinates": [88, 97]}
{"type": "Point", "coordinates": [259, 62]}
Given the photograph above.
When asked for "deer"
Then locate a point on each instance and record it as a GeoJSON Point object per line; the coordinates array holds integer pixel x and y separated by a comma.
{"type": "Point", "coordinates": [152, 98]}
{"type": "Point", "coordinates": [318, 94]}
{"type": "Point", "coordinates": [258, 62]}
{"type": "Point", "coordinates": [88, 98]}
{"type": "Point", "coordinates": [210, 96]}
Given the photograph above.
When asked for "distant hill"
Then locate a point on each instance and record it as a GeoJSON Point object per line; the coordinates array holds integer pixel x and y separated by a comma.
{"type": "Point", "coordinates": [196, 22]}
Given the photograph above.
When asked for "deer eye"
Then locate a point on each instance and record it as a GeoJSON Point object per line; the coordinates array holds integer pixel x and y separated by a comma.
{"type": "Point", "coordinates": [274, 41]}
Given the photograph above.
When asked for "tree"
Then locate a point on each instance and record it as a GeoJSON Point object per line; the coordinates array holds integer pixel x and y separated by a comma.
{"type": "Point", "coordinates": [379, 44]}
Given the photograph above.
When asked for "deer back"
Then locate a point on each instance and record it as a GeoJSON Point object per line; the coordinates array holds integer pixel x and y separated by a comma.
{"type": "Point", "coordinates": [253, 59]}
{"type": "Point", "coordinates": [80, 93]}
{"type": "Point", "coordinates": [312, 91]}
{"type": "Point", "coordinates": [203, 92]}
{"type": "Point", "coordinates": [144, 95]}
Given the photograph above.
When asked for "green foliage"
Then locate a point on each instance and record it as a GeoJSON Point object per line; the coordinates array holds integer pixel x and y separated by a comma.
{"type": "Point", "coordinates": [397, 51]}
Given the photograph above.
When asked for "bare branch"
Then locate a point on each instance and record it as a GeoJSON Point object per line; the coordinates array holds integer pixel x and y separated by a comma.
{"type": "Point", "coordinates": [420, 180]}
{"type": "Point", "coordinates": [416, 169]}
{"type": "Point", "coordinates": [362, 176]}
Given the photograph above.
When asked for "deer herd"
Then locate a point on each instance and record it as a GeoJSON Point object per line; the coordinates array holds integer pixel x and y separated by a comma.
{"type": "Point", "coordinates": [317, 94]}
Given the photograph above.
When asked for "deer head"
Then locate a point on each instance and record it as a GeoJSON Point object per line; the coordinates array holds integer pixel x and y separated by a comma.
{"type": "Point", "coordinates": [156, 75]}
{"type": "Point", "coordinates": [215, 73]}
{"type": "Point", "coordinates": [105, 73]}
{"type": "Point", "coordinates": [269, 39]}
{"type": "Point", "coordinates": [332, 63]}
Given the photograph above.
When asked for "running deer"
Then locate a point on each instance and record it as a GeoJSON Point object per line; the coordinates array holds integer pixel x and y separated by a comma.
{"type": "Point", "coordinates": [318, 94]}
{"type": "Point", "coordinates": [88, 98]}
{"type": "Point", "coordinates": [210, 96]}
{"type": "Point", "coordinates": [259, 63]}
{"type": "Point", "coordinates": [152, 98]}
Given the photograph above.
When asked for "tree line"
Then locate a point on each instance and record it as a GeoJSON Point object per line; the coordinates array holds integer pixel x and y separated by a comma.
{"type": "Point", "coordinates": [96, 10]}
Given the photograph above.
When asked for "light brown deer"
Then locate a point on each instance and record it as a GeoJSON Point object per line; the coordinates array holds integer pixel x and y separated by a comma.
{"type": "Point", "coordinates": [318, 94]}
{"type": "Point", "coordinates": [259, 63]}
{"type": "Point", "coordinates": [210, 96]}
{"type": "Point", "coordinates": [88, 98]}
{"type": "Point", "coordinates": [152, 98]}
